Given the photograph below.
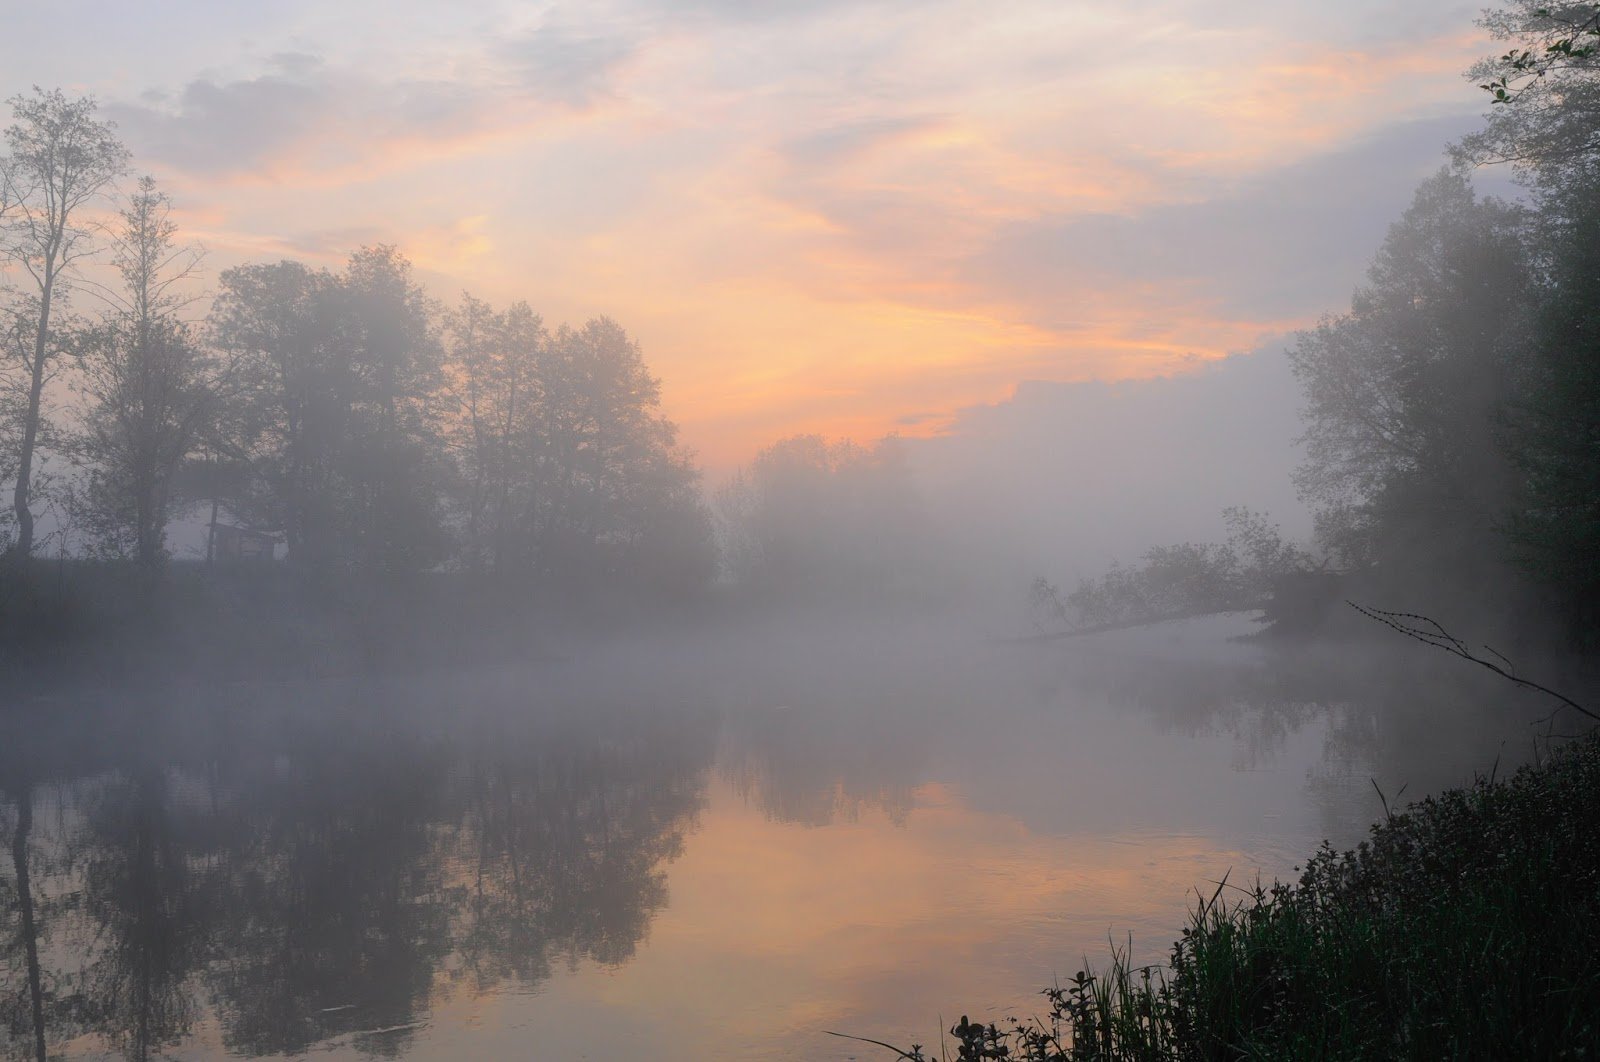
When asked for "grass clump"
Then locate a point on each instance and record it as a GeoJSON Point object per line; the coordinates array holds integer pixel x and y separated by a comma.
{"type": "Point", "coordinates": [1467, 926]}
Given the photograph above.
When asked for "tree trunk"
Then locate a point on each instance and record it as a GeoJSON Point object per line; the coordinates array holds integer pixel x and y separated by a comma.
{"type": "Point", "coordinates": [30, 426]}
{"type": "Point", "coordinates": [30, 439]}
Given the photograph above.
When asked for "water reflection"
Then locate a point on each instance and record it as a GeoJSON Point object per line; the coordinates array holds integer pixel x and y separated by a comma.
{"type": "Point", "coordinates": [331, 878]}
{"type": "Point", "coordinates": [562, 845]}
{"type": "Point", "coordinates": [334, 914]}
{"type": "Point", "coordinates": [25, 1001]}
{"type": "Point", "coordinates": [147, 882]}
{"type": "Point", "coordinates": [1405, 719]}
{"type": "Point", "coordinates": [370, 869]}
{"type": "Point", "coordinates": [818, 762]}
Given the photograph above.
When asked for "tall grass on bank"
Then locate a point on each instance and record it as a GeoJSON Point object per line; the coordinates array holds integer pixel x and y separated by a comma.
{"type": "Point", "coordinates": [1466, 927]}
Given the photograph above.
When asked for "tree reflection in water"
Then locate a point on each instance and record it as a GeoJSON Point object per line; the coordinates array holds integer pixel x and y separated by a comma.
{"type": "Point", "coordinates": [818, 762]}
{"type": "Point", "coordinates": [24, 1010]}
{"type": "Point", "coordinates": [1390, 715]}
{"type": "Point", "coordinates": [334, 915]}
{"type": "Point", "coordinates": [329, 864]}
{"type": "Point", "coordinates": [146, 881]}
{"type": "Point", "coordinates": [330, 874]}
{"type": "Point", "coordinates": [562, 846]}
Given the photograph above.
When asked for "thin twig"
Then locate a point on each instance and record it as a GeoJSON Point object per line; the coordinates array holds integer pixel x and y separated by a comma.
{"type": "Point", "coordinates": [1428, 631]}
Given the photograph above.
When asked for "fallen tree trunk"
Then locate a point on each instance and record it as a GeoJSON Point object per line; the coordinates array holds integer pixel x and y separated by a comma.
{"type": "Point", "coordinates": [1124, 625]}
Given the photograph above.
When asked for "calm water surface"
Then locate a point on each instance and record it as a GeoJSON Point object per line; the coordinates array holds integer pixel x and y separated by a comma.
{"type": "Point", "coordinates": [678, 849]}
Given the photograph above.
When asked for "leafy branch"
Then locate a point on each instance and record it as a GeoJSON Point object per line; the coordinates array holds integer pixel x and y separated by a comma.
{"type": "Point", "coordinates": [1581, 40]}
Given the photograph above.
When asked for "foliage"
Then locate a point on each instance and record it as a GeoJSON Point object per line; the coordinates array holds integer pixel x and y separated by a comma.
{"type": "Point", "coordinates": [358, 416]}
{"type": "Point", "coordinates": [341, 411]}
{"type": "Point", "coordinates": [491, 372]}
{"type": "Point", "coordinates": [389, 512]}
{"type": "Point", "coordinates": [1544, 89]}
{"type": "Point", "coordinates": [1544, 121]}
{"type": "Point", "coordinates": [1555, 429]}
{"type": "Point", "coordinates": [1405, 394]}
{"type": "Point", "coordinates": [611, 494]}
{"type": "Point", "coordinates": [282, 330]}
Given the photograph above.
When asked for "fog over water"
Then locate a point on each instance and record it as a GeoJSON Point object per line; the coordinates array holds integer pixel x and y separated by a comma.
{"type": "Point", "coordinates": [710, 844]}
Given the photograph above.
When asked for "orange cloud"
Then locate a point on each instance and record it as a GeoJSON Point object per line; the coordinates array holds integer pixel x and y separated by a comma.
{"type": "Point", "coordinates": [822, 221]}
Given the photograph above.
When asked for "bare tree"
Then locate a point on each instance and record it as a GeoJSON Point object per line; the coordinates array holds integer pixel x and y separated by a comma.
{"type": "Point", "coordinates": [147, 382]}
{"type": "Point", "coordinates": [61, 161]}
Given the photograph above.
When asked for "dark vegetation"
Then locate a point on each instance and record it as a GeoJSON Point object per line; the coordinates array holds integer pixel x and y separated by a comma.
{"type": "Point", "coordinates": [810, 517]}
{"type": "Point", "coordinates": [401, 459]}
{"type": "Point", "coordinates": [366, 428]}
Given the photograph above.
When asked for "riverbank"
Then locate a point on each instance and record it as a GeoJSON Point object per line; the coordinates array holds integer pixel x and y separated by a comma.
{"type": "Point", "coordinates": [1466, 926]}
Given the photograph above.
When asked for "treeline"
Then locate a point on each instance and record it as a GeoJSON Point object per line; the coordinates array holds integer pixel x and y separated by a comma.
{"type": "Point", "coordinates": [1452, 414]}
{"type": "Point", "coordinates": [364, 426]}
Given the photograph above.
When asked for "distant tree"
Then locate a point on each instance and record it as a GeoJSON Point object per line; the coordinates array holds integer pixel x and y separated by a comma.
{"type": "Point", "coordinates": [608, 486]}
{"type": "Point", "coordinates": [1182, 579]}
{"type": "Point", "coordinates": [16, 381]}
{"type": "Point", "coordinates": [390, 472]}
{"type": "Point", "coordinates": [492, 369]}
{"type": "Point", "coordinates": [1405, 395]}
{"type": "Point", "coordinates": [332, 381]}
{"type": "Point", "coordinates": [61, 161]}
{"type": "Point", "coordinates": [147, 382]}
{"type": "Point", "coordinates": [472, 333]}
{"type": "Point", "coordinates": [833, 516]}
{"type": "Point", "coordinates": [1262, 555]}
{"type": "Point", "coordinates": [284, 331]}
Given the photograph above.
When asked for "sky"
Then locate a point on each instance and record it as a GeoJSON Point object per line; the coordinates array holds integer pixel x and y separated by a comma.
{"type": "Point", "coordinates": [848, 218]}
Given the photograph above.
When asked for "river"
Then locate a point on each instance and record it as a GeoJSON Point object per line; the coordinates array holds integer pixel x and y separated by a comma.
{"type": "Point", "coordinates": [686, 847]}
